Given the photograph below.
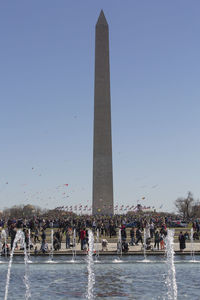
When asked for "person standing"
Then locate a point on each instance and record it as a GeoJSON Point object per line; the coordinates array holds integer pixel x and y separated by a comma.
{"type": "Point", "coordinates": [83, 237]}
{"type": "Point", "coordinates": [67, 239]}
{"type": "Point", "coordinates": [13, 232]}
{"type": "Point", "coordinates": [181, 241]}
{"type": "Point", "coordinates": [43, 236]}
{"type": "Point", "coordinates": [162, 243]}
{"type": "Point", "coordinates": [157, 240]}
{"type": "Point", "coordinates": [111, 229]}
{"type": "Point", "coordinates": [152, 230]}
{"type": "Point", "coordinates": [36, 235]}
{"type": "Point", "coordinates": [132, 235]}
{"type": "Point", "coordinates": [123, 233]}
{"type": "Point", "coordinates": [138, 236]}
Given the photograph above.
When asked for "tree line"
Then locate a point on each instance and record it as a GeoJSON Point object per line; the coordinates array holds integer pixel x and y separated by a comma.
{"type": "Point", "coordinates": [188, 207]}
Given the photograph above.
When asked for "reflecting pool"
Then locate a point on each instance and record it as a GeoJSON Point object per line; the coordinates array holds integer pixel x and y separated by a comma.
{"type": "Point", "coordinates": [127, 278]}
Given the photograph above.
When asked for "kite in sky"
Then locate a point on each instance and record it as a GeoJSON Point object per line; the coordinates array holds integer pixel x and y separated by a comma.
{"type": "Point", "coordinates": [154, 186]}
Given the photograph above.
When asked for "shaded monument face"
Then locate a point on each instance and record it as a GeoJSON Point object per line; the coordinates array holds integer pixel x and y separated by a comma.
{"type": "Point", "coordinates": [102, 155]}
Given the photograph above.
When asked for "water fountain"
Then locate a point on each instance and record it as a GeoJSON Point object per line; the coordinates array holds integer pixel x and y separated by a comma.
{"type": "Point", "coordinates": [145, 244]}
{"type": "Point", "coordinates": [146, 234]}
{"type": "Point", "coordinates": [192, 251]}
{"type": "Point", "coordinates": [163, 275]}
{"type": "Point", "coordinates": [119, 248]}
{"type": "Point", "coordinates": [90, 267]}
{"type": "Point", "coordinates": [4, 238]}
{"type": "Point", "coordinates": [29, 245]}
{"type": "Point", "coordinates": [119, 243]}
{"type": "Point", "coordinates": [26, 279]}
{"type": "Point", "coordinates": [171, 273]}
{"type": "Point", "coordinates": [51, 251]}
{"type": "Point", "coordinates": [1, 247]}
{"type": "Point", "coordinates": [74, 246]}
{"type": "Point", "coordinates": [97, 245]}
{"type": "Point", "coordinates": [18, 238]}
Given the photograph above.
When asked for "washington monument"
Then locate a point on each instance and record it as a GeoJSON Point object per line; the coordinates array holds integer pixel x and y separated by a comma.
{"type": "Point", "coordinates": [102, 151]}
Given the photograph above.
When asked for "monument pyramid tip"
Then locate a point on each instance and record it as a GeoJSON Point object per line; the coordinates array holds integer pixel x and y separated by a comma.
{"type": "Point", "coordinates": [102, 19]}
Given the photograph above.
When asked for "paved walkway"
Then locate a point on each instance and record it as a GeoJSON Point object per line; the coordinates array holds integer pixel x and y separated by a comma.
{"type": "Point", "coordinates": [112, 249]}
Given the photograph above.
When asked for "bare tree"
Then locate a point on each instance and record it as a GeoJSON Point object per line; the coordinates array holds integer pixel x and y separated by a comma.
{"type": "Point", "coordinates": [185, 206]}
{"type": "Point", "coordinates": [196, 209]}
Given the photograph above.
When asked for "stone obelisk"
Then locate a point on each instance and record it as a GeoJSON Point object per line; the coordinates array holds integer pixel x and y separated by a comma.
{"type": "Point", "coordinates": [102, 151]}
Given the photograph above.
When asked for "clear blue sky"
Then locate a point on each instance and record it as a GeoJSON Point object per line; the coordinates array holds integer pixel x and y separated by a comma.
{"type": "Point", "coordinates": [46, 100]}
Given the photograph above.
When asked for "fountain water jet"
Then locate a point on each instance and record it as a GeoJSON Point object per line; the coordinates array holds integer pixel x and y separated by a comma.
{"type": "Point", "coordinates": [119, 243]}
{"type": "Point", "coordinates": [51, 252]}
{"type": "Point", "coordinates": [26, 279]}
{"type": "Point", "coordinates": [119, 248]}
{"type": "Point", "coordinates": [145, 244]}
{"type": "Point", "coordinates": [74, 246]}
{"type": "Point", "coordinates": [192, 251]}
{"type": "Point", "coordinates": [171, 273]}
{"type": "Point", "coordinates": [29, 245]}
{"type": "Point", "coordinates": [97, 245]}
{"type": "Point", "coordinates": [4, 237]}
{"type": "Point", "coordinates": [18, 238]}
{"type": "Point", "coordinates": [90, 267]}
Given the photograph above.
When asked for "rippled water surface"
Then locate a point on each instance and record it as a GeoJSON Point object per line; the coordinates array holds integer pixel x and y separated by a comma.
{"type": "Point", "coordinates": [130, 278]}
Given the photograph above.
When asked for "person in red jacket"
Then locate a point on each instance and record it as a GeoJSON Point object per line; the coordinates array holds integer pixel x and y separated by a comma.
{"type": "Point", "coordinates": [82, 237]}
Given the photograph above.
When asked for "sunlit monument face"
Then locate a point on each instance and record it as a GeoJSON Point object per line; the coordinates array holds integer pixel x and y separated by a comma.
{"type": "Point", "coordinates": [102, 155]}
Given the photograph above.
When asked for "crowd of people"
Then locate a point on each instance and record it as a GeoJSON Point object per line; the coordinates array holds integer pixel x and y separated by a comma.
{"type": "Point", "coordinates": [152, 228]}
